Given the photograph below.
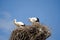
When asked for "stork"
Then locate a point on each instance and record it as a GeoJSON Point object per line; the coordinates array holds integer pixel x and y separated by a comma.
{"type": "Point", "coordinates": [19, 24]}
{"type": "Point", "coordinates": [35, 22]}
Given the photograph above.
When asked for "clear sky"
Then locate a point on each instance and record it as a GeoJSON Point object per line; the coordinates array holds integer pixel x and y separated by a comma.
{"type": "Point", "coordinates": [48, 11]}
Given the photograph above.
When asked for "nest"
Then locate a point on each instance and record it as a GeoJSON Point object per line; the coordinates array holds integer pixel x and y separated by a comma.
{"type": "Point", "coordinates": [27, 34]}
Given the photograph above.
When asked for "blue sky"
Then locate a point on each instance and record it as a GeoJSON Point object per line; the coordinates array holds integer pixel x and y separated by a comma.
{"type": "Point", "coordinates": [48, 11]}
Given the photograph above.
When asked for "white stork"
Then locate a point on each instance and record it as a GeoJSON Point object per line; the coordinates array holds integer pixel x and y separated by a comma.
{"type": "Point", "coordinates": [19, 24]}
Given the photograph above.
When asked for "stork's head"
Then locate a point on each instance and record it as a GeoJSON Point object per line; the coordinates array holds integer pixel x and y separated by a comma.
{"type": "Point", "coordinates": [34, 19]}
{"type": "Point", "coordinates": [14, 20]}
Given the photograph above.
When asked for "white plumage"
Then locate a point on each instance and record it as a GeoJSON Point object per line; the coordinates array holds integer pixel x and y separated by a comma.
{"type": "Point", "coordinates": [33, 19]}
{"type": "Point", "coordinates": [18, 24]}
